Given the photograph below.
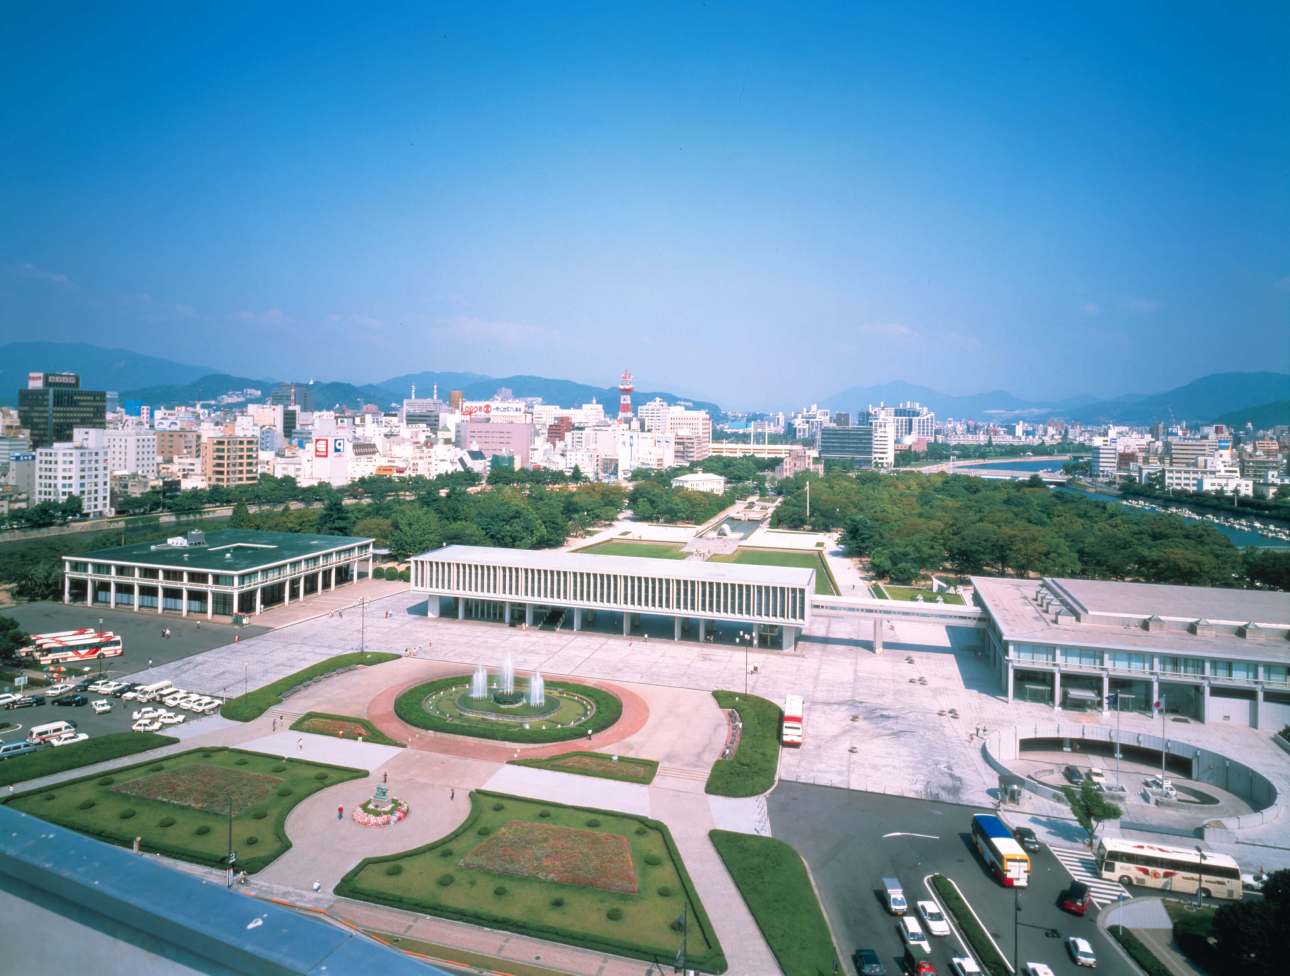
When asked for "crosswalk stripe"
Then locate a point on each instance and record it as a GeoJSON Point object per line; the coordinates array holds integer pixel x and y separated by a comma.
{"type": "Point", "coordinates": [1082, 866]}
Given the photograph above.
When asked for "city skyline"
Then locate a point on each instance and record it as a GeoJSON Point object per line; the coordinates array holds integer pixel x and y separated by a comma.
{"type": "Point", "coordinates": [724, 198]}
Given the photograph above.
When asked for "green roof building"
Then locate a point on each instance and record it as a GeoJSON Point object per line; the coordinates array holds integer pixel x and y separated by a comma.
{"type": "Point", "coordinates": [232, 571]}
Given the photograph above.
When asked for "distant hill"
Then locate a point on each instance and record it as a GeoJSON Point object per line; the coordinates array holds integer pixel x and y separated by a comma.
{"type": "Point", "coordinates": [99, 368]}
{"type": "Point", "coordinates": [1263, 417]}
{"type": "Point", "coordinates": [1199, 401]}
{"type": "Point", "coordinates": [325, 396]}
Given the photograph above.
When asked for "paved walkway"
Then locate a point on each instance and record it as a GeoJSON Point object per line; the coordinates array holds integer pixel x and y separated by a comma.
{"type": "Point", "coordinates": [1149, 921]}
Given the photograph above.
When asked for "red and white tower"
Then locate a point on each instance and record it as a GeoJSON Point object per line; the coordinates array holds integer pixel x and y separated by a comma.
{"type": "Point", "coordinates": [625, 387]}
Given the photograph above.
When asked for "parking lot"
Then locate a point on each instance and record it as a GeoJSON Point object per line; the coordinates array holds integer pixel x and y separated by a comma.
{"type": "Point", "coordinates": [144, 645]}
{"type": "Point", "coordinates": [851, 840]}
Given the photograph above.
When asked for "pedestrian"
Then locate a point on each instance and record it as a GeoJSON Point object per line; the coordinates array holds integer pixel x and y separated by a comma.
{"type": "Point", "coordinates": [340, 812]}
{"type": "Point", "coordinates": [300, 744]}
{"type": "Point", "coordinates": [317, 885]}
{"type": "Point", "coordinates": [385, 777]}
{"type": "Point", "coordinates": [452, 793]}
{"type": "Point", "coordinates": [275, 725]}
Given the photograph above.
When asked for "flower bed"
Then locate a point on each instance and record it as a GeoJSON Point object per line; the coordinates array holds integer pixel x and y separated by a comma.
{"type": "Point", "coordinates": [367, 816]}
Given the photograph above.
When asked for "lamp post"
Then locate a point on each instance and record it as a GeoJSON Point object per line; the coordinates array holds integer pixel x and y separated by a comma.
{"type": "Point", "coordinates": [744, 638]}
{"type": "Point", "coordinates": [1200, 880]}
{"type": "Point", "coordinates": [232, 857]}
{"type": "Point", "coordinates": [362, 626]}
{"type": "Point", "coordinates": [1016, 927]}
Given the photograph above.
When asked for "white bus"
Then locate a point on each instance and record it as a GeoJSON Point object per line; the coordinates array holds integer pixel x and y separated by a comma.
{"type": "Point", "coordinates": [794, 725]}
{"type": "Point", "coordinates": [50, 730]}
{"type": "Point", "coordinates": [70, 648]}
{"type": "Point", "coordinates": [1006, 859]}
{"type": "Point", "coordinates": [1180, 869]}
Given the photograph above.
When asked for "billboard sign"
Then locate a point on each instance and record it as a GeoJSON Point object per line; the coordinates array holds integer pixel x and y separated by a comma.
{"type": "Point", "coordinates": [337, 446]}
{"type": "Point", "coordinates": [499, 409]}
{"type": "Point", "coordinates": [321, 446]}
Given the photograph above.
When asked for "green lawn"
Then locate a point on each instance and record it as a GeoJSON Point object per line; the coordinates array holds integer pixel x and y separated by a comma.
{"type": "Point", "coordinates": [912, 593]}
{"type": "Point", "coordinates": [607, 881]}
{"type": "Point", "coordinates": [774, 884]}
{"type": "Point", "coordinates": [575, 701]}
{"type": "Point", "coordinates": [647, 550]}
{"type": "Point", "coordinates": [99, 748]}
{"type": "Point", "coordinates": [628, 769]}
{"type": "Point", "coordinates": [344, 726]}
{"type": "Point", "coordinates": [751, 770]}
{"type": "Point", "coordinates": [794, 558]}
{"type": "Point", "coordinates": [246, 708]}
{"type": "Point", "coordinates": [179, 804]}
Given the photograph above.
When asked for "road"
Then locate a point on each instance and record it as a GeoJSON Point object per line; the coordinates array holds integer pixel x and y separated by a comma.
{"type": "Point", "coordinates": [852, 839]}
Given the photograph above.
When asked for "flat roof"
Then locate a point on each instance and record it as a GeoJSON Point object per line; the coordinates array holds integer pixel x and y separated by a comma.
{"type": "Point", "coordinates": [1185, 602]}
{"type": "Point", "coordinates": [226, 550]}
{"type": "Point", "coordinates": [1011, 605]}
{"type": "Point", "coordinates": [691, 569]}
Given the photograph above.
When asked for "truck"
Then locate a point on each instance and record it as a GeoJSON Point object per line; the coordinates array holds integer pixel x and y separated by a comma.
{"type": "Point", "coordinates": [794, 727]}
{"type": "Point", "coordinates": [894, 895]}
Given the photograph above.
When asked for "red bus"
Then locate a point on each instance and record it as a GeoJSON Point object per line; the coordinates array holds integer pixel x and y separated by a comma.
{"type": "Point", "coordinates": [63, 648]}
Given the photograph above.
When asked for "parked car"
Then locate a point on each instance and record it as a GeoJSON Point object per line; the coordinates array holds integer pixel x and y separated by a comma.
{"type": "Point", "coordinates": [894, 895]}
{"type": "Point", "coordinates": [933, 919]}
{"type": "Point", "coordinates": [59, 688]}
{"type": "Point", "coordinates": [146, 725]}
{"type": "Point", "coordinates": [28, 701]}
{"type": "Point", "coordinates": [965, 966]}
{"type": "Point", "coordinates": [1098, 777]}
{"type": "Point", "coordinates": [919, 967]}
{"type": "Point", "coordinates": [1026, 838]}
{"type": "Point", "coordinates": [123, 689]}
{"type": "Point", "coordinates": [1073, 774]}
{"type": "Point", "coordinates": [6, 698]}
{"type": "Point", "coordinates": [1077, 899]}
{"type": "Point", "coordinates": [868, 963]}
{"type": "Point", "coordinates": [914, 936]}
{"type": "Point", "coordinates": [101, 706]}
{"type": "Point", "coordinates": [76, 701]}
{"type": "Point", "coordinates": [68, 738]}
{"type": "Point", "coordinates": [1253, 882]}
{"type": "Point", "coordinates": [8, 750]}
{"type": "Point", "coordinates": [1158, 784]}
{"type": "Point", "coordinates": [1081, 952]}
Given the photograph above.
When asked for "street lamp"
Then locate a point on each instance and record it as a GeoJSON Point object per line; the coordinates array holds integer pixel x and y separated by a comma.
{"type": "Point", "coordinates": [1016, 926]}
{"type": "Point", "coordinates": [1200, 880]}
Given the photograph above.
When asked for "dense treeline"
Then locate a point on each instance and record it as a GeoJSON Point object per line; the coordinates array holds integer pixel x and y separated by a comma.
{"type": "Point", "coordinates": [912, 524]}
{"type": "Point", "coordinates": [937, 451]}
{"type": "Point", "coordinates": [656, 502]}
{"type": "Point", "coordinates": [1276, 507]}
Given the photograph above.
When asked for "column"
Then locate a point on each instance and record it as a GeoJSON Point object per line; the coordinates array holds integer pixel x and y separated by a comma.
{"type": "Point", "coordinates": [67, 588]}
{"type": "Point", "coordinates": [676, 628]}
{"type": "Point", "coordinates": [506, 612]}
{"type": "Point", "coordinates": [161, 595]}
{"type": "Point", "coordinates": [369, 566]}
{"type": "Point", "coordinates": [703, 630]}
{"type": "Point", "coordinates": [1106, 690]}
{"type": "Point", "coordinates": [1258, 707]}
{"type": "Point", "coordinates": [879, 623]}
{"type": "Point", "coordinates": [136, 597]}
{"type": "Point", "coordinates": [286, 592]}
{"type": "Point", "coordinates": [333, 577]}
{"type": "Point", "coordinates": [1057, 689]}
{"type": "Point", "coordinates": [320, 581]}
{"type": "Point", "coordinates": [1010, 679]}
{"type": "Point", "coordinates": [1204, 702]}
{"type": "Point", "coordinates": [259, 599]}
{"type": "Point", "coordinates": [461, 608]}
{"type": "Point", "coordinates": [183, 604]}
{"type": "Point", "coordinates": [627, 624]}
{"type": "Point", "coordinates": [89, 591]}
{"type": "Point", "coordinates": [528, 615]}
{"type": "Point", "coordinates": [112, 594]}
{"type": "Point", "coordinates": [790, 638]}
{"type": "Point", "coordinates": [577, 619]}
{"type": "Point", "coordinates": [1155, 691]}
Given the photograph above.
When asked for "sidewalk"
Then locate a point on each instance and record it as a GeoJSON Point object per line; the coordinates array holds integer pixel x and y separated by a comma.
{"type": "Point", "coordinates": [1147, 919]}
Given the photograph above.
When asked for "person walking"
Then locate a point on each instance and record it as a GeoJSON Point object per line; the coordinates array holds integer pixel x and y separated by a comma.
{"type": "Point", "coordinates": [340, 812]}
{"type": "Point", "coordinates": [452, 793]}
{"type": "Point", "coordinates": [300, 744]}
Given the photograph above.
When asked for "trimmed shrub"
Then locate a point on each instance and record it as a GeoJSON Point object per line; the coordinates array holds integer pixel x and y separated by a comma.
{"type": "Point", "coordinates": [279, 768]}
{"type": "Point", "coordinates": [46, 762]}
{"type": "Point", "coordinates": [614, 914]}
{"type": "Point", "coordinates": [498, 807]}
{"type": "Point", "coordinates": [446, 852]}
{"type": "Point", "coordinates": [106, 781]}
{"type": "Point", "coordinates": [378, 572]}
{"type": "Point", "coordinates": [252, 841]}
{"type": "Point", "coordinates": [557, 902]}
{"type": "Point", "coordinates": [166, 822]}
{"type": "Point", "coordinates": [500, 890]}
{"type": "Point", "coordinates": [259, 814]}
{"type": "Point", "coordinates": [284, 790]}
{"type": "Point", "coordinates": [544, 814]}
{"type": "Point", "coordinates": [593, 822]}
{"type": "Point", "coordinates": [49, 796]}
{"type": "Point", "coordinates": [321, 777]}
{"type": "Point", "coordinates": [126, 814]}
{"type": "Point", "coordinates": [664, 891]}
{"type": "Point", "coordinates": [484, 831]}
{"type": "Point", "coordinates": [85, 805]}
{"type": "Point", "coordinates": [202, 830]}
{"type": "Point", "coordinates": [405, 576]}
{"type": "Point", "coordinates": [444, 880]}
{"type": "Point", "coordinates": [642, 830]}
{"type": "Point", "coordinates": [394, 870]}
{"type": "Point", "coordinates": [241, 761]}
{"type": "Point", "coordinates": [157, 768]}
{"type": "Point", "coordinates": [653, 860]}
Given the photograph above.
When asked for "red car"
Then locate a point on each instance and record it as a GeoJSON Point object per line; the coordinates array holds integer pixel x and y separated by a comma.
{"type": "Point", "coordinates": [1077, 899]}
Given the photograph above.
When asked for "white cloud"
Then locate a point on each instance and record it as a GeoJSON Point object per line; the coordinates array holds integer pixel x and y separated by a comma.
{"type": "Point", "coordinates": [894, 330]}
{"type": "Point", "coordinates": [26, 269]}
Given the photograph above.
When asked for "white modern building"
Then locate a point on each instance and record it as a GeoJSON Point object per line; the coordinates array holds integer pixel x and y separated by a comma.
{"type": "Point", "coordinates": [714, 484]}
{"type": "Point", "coordinates": [132, 450]}
{"type": "Point", "coordinates": [77, 467]}
{"type": "Point", "coordinates": [722, 602]}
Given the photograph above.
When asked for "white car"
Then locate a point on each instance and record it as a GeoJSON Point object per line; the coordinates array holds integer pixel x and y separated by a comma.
{"type": "Point", "coordinates": [189, 703]}
{"type": "Point", "coordinates": [146, 714]}
{"type": "Point", "coordinates": [1081, 952]}
{"type": "Point", "coordinates": [101, 706]}
{"type": "Point", "coordinates": [61, 688]}
{"type": "Point", "coordinates": [6, 699]}
{"type": "Point", "coordinates": [914, 936]}
{"type": "Point", "coordinates": [131, 696]}
{"type": "Point", "coordinates": [170, 718]}
{"type": "Point", "coordinates": [1164, 786]}
{"type": "Point", "coordinates": [67, 738]}
{"type": "Point", "coordinates": [146, 725]}
{"type": "Point", "coordinates": [933, 919]}
{"type": "Point", "coordinates": [212, 708]}
{"type": "Point", "coordinates": [1038, 969]}
{"type": "Point", "coordinates": [174, 698]}
{"type": "Point", "coordinates": [965, 966]}
{"type": "Point", "coordinates": [1098, 776]}
{"type": "Point", "coordinates": [97, 687]}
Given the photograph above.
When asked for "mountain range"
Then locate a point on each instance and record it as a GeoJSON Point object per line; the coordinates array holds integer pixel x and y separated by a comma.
{"type": "Point", "coordinates": [1263, 397]}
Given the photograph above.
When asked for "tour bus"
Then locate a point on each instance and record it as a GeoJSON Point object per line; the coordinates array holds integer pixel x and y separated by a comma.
{"type": "Point", "coordinates": [50, 730]}
{"type": "Point", "coordinates": [794, 727]}
{"type": "Point", "coordinates": [1006, 859]}
{"type": "Point", "coordinates": [1180, 869]}
{"type": "Point", "coordinates": [47, 649]}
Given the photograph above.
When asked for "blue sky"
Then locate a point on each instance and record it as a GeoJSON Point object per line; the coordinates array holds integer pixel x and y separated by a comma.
{"type": "Point", "coordinates": [757, 203]}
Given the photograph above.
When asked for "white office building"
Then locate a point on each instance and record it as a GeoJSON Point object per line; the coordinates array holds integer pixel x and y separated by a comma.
{"type": "Point", "coordinates": [77, 467]}
{"type": "Point", "coordinates": [132, 450]}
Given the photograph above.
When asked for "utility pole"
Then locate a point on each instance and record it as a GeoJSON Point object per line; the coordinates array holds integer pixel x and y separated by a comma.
{"type": "Point", "coordinates": [1164, 745]}
{"type": "Point", "coordinates": [232, 857]}
{"type": "Point", "coordinates": [1016, 926]}
{"type": "Point", "coordinates": [363, 625]}
{"type": "Point", "coordinates": [808, 500]}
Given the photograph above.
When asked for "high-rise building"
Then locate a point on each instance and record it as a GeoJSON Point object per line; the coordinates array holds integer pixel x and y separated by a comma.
{"type": "Point", "coordinates": [867, 445]}
{"type": "Point", "coordinates": [625, 387]}
{"type": "Point", "coordinates": [229, 460]}
{"type": "Point", "coordinates": [298, 394]}
{"type": "Point", "coordinates": [78, 466]}
{"type": "Point", "coordinates": [53, 405]}
{"type": "Point", "coordinates": [908, 419]}
{"type": "Point", "coordinates": [177, 443]}
{"type": "Point", "coordinates": [691, 432]}
{"type": "Point", "coordinates": [455, 399]}
{"type": "Point", "coordinates": [653, 415]}
{"type": "Point", "coordinates": [132, 450]}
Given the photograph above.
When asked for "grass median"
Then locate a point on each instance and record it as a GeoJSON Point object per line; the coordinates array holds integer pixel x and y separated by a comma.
{"type": "Point", "coordinates": [751, 770]}
{"type": "Point", "coordinates": [248, 707]}
{"type": "Point", "coordinates": [625, 769]}
{"type": "Point", "coordinates": [983, 947]}
{"type": "Point", "coordinates": [100, 748]}
{"type": "Point", "coordinates": [344, 727]}
{"type": "Point", "coordinates": [772, 879]}
{"type": "Point", "coordinates": [1138, 951]}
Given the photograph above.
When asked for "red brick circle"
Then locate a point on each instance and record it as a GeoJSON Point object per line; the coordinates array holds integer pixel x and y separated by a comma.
{"type": "Point", "coordinates": [380, 712]}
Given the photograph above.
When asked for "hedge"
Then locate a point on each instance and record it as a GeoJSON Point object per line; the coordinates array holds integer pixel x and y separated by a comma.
{"type": "Point", "coordinates": [100, 748]}
{"type": "Point", "coordinates": [608, 711]}
{"type": "Point", "coordinates": [248, 707]}
{"type": "Point", "coordinates": [372, 733]}
{"type": "Point", "coordinates": [774, 884]}
{"type": "Point", "coordinates": [553, 763]}
{"type": "Point", "coordinates": [977, 937]}
{"type": "Point", "coordinates": [751, 770]}
{"type": "Point", "coordinates": [714, 962]}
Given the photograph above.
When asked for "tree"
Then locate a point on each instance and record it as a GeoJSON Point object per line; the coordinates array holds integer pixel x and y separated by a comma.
{"type": "Point", "coordinates": [335, 518]}
{"type": "Point", "coordinates": [1091, 807]}
{"type": "Point", "coordinates": [413, 530]}
{"type": "Point", "coordinates": [1251, 936]}
{"type": "Point", "coordinates": [12, 637]}
{"type": "Point", "coordinates": [241, 518]}
{"type": "Point", "coordinates": [71, 507]}
{"type": "Point", "coordinates": [576, 475]}
{"type": "Point", "coordinates": [375, 527]}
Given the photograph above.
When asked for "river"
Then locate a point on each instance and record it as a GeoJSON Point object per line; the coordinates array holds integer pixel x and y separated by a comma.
{"type": "Point", "coordinates": [1239, 537]}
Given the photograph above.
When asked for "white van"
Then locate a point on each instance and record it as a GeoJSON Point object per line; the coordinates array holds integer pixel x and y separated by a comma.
{"type": "Point", "coordinates": [152, 692]}
{"type": "Point", "coordinates": [50, 730]}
